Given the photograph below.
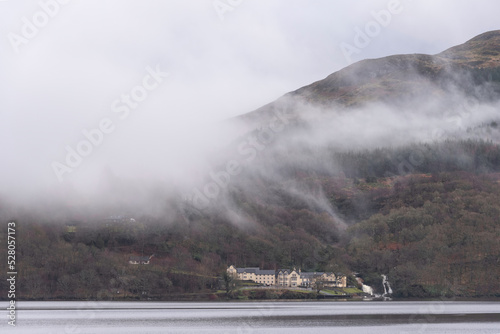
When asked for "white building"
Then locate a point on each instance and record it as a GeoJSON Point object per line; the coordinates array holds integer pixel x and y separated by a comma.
{"type": "Point", "coordinates": [287, 277]}
{"type": "Point", "coordinates": [255, 274]}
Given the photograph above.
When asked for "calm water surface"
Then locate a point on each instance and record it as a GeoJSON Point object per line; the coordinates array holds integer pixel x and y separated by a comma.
{"type": "Point", "coordinates": [255, 317]}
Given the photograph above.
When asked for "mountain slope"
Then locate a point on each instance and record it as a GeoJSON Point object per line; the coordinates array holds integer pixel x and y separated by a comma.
{"type": "Point", "coordinates": [354, 189]}
{"type": "Point", "coordinates": [482, 51]}
{"type": "Point", "coordinates": [400, 77]}
{"type": "Point", "coordinates": [396, 199]}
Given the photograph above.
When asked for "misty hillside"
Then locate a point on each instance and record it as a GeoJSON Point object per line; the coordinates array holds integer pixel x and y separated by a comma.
{"type": "Point", "coordinates": [389, 166]}
{"type": "Point", "coordinates": [472, 69]}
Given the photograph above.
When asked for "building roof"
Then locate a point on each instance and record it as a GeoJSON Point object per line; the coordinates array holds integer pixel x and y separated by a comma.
{"type": "Point", "coordinates": [287, 271]}
{"type": "Point", "coordinates": [255, 270]}
{"type": "Point", "coordinates": [247, 270]}
{"type": "Point", "coordinates": [310, 274]}
{"type": "Point", "coordinates": [266, 272]}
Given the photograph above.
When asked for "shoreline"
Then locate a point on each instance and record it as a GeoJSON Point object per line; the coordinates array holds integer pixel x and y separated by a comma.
{"type": "Point", "coordinates": [220, 300]}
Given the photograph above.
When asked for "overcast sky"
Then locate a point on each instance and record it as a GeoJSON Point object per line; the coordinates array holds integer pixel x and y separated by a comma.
{"type": "Point", "coordinates": [65, 67]}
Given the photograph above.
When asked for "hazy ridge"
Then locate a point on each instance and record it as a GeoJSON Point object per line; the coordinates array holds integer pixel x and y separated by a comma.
{"type": "Point", "coordinates": [389, 166]}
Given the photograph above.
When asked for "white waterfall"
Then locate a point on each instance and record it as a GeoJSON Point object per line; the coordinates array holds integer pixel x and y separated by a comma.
{"type": "Point", "coordinates": [386, 285]}
{"type": "Point", "coordinates": [367, 289]}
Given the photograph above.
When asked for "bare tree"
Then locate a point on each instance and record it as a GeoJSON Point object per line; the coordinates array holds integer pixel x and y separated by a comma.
{"type": "Point", "coordinates": [229, 282]}
{"type": "Point", "coordinates": [319, 285]}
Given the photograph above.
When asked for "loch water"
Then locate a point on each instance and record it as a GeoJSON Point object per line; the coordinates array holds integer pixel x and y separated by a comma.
{"type": "Point", "coordinates": [255, 317]}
